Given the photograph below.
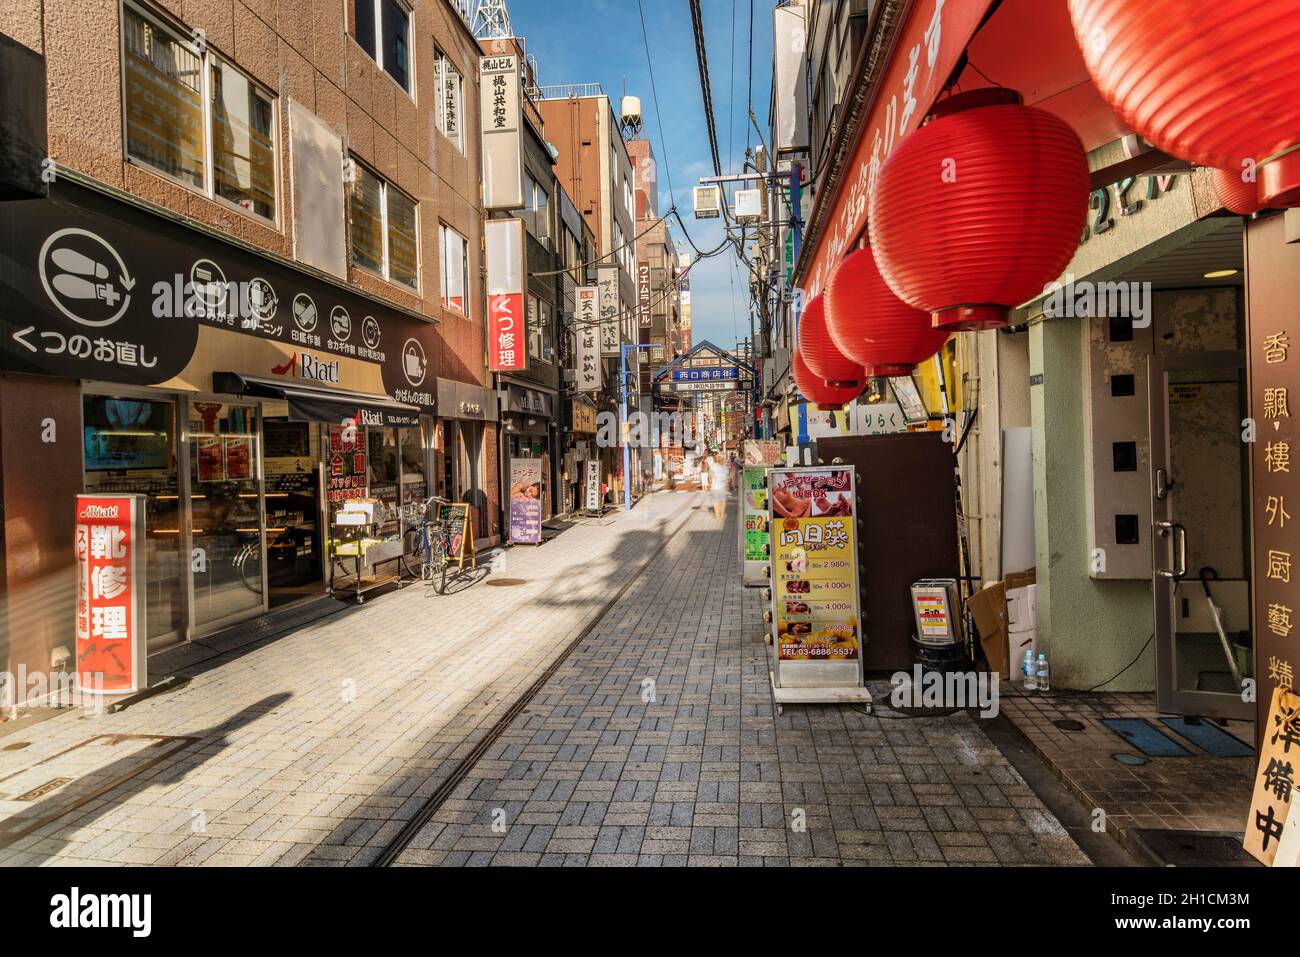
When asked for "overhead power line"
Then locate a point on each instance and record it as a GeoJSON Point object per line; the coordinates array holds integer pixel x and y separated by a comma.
{"type": "Point", "coordinates": [697, 24]}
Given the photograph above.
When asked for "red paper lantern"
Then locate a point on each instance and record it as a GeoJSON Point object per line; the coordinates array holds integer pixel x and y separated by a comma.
{"type": "Point", "coordinates": [1240, 196]}
{"type": "Point", "coordinates": [979, 209]}
{"type": "Point", "coordinates": [824, 359]}
{"type": "Point", "coordinates": [816, 390]}
{"type": "Point", "coordinates": [871, 325]}
{"type": "Point", "coordinates": [1214, 83]}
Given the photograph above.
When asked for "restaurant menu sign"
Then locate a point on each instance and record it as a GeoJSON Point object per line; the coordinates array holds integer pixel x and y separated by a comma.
{"type": "Point", "coordinates": [758, 457]}
{"type": "Point", "coordinates": [110, 560]}
{"type": "Point", "coordinates": [814, 577]}
{"type": "Point", "coordinates": [526, 501]}
{"type": "Point", "coordinates": [454, 516]}
{"type": "Point", "coordinates": [588, 331]}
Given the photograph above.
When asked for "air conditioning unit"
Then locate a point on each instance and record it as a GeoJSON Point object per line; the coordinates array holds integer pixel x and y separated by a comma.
{"type": "Point", "coordinates": [708, 202]}
{"type": "Point", "coordinates": [749, 205]}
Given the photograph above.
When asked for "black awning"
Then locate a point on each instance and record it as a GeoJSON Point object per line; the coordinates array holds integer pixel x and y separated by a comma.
{"type": "Point", "coordinates": [314, 404]}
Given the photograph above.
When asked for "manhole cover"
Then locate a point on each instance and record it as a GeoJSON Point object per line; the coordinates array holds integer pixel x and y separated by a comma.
{"type": "Point", "coordinates": [1129, 760]}
{"type": "Point", "coordinates": [1194, 848]}
{"type": "Point", "coordinates": [507, 582]}
{"type": "Point", "coordinates": [1068, 724]}
{"type": "Point", "coordinates": [18, 745]}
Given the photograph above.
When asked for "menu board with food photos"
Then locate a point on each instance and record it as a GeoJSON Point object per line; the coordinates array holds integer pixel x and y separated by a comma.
{"type": "Point", "coordinates": [817, 629]}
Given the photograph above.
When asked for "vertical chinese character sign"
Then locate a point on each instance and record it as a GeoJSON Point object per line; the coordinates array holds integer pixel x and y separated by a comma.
{"type": "Point", "coordinates": [500, 118]}
{"type": "Point", "coordinates": [507, 337]}
{"type": "Point", "coordinates": [815, 584]}
{"type": "Point", "coordinates": [610, 331]}
{"type": "Point", "coordinates": [1279, 754]}
{"type": "Point", "coordinates": [111, 627]}
{"type": "Point", "coordinates": [587, 326]}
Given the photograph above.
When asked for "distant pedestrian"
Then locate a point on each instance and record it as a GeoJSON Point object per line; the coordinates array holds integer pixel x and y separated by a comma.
{"type": "Point", "coordinates": [719, 476]}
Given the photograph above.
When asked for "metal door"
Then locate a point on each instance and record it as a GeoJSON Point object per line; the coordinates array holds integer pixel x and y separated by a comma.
{"type": "Point", "coordinates": [1200, 534]}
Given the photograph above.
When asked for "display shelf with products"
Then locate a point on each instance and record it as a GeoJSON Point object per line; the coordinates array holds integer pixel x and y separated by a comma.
{"type": "Point", "coordinates": [357, 542]}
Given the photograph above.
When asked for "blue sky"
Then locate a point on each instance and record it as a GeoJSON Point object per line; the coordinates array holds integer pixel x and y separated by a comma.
{"type": "Point", "coordinates": [582, 41]}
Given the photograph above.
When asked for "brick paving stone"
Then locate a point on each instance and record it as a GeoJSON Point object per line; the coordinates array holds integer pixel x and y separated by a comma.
{"type": "Point", "coordinates": [654, 744]}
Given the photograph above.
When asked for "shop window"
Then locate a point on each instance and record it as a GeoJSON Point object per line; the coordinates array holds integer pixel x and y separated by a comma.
{"type": "Point", "coordinates": [450, 90]}
{"type": "Point", "coordinates": [226, 511]}
{"type": "Point", "coordinates": [455, 270]}
{"type": "Point", "coordinates": [382, 459]}
{"type": "Point", "coordinates": [536, 208]}
{"type": "Point", "coordinates": [228, 153]}
{"type": "Point", "coordinates": [385, 230]}
{"type": "Point", "coordinates": [383, 29]}
{"type": "Point", "coordinates": [129, 445]}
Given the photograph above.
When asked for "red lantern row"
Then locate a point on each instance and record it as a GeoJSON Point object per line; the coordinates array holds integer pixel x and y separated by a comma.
{"type": "Point", "coordinates": [817, 390]}
{"type": "Point", "coordinates": [1216, 83]}
{"type": "Point", "coordinates": [823, 357]}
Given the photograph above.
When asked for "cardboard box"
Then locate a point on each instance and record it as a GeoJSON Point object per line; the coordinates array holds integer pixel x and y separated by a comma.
{"type": "Point", "coordinates": [989, 609]}
{"type": "Point", "coordinates": [1022, 608]}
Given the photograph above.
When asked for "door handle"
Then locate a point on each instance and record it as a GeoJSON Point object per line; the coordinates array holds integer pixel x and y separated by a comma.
{"type": "Point", "coordinates": [1163, 484]}
{"type": "Point", "coordinates": [1179, 535]}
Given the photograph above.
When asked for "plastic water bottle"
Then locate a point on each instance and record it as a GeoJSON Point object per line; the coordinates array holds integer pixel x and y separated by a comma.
{"type": "Point", "coordinates": [1030, 672]}
{"type": "Point", "coordinates": [1044, 678]}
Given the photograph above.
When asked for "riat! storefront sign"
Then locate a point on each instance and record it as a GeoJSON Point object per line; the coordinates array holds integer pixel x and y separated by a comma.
{"type": "Point", "coordinates": [111, 629]}
{"type": "Point", "coordinates": [928, 48]}
{"type": "Point", "coordinates": [818, 638]}
{"type": "Point", "coordinates": [507, 336]}
{"type": "Point", "coordinates": [95, 288]}
{"type": "Point", "coordinates": [587, 323]}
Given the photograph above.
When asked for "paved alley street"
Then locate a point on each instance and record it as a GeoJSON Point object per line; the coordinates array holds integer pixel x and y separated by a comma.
{"type": "Point", "coordinates": [654, 743]}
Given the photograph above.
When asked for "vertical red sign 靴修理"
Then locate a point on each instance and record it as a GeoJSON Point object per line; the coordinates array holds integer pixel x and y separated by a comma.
{"type": "Point", "coordinates": [111, 633]}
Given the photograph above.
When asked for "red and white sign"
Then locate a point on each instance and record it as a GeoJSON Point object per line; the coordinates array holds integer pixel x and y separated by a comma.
{"type": "Point", "coordinates": [111, 627]}
{"type": "Point", "coordinates": [925, 53]}
{"type": "Point", "coordinates": [507, 325]}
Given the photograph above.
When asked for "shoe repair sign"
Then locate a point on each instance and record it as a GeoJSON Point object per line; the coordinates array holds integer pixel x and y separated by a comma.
{"type": "Point", "coordinates": [111, 625]}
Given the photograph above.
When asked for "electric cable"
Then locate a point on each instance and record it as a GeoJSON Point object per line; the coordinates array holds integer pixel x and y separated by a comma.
{"type": "Point", "coordinates": [702, 61]}
{"type": "Point", "coordinates": [603, 259]}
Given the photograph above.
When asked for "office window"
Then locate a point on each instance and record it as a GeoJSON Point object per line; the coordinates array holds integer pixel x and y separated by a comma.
{"type": "Point", "coordinates": [243, 141]}
{"type": "Point", "coordinates": [385, 234]}
{"type": "Point", "coordinates": [539, 322]}
{"type": "Point", "coordinates": [447, 114]}
{"type": "Point", "coordinates": [383, 29]}
{"type": "Point", "coordinates": [455, 270]}
{"type": "Point", "coordinates": [536, 205]}
{"type": "Point", "coordinates": [228, 152]}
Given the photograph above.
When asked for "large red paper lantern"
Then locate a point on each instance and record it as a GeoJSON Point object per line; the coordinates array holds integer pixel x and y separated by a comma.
{"type": "Point", "coordinates": [1239, 195]}
{"type": "Point", "coordinates": [979, 209]}
{"type": "Point", "coordinates": [1215, 83]}
{"type": "Point", "coordinates": [871, 325]}
{"type": "Point", "coordinates": [816, 390]}
{"type": "Point", "coordinates": [824, 359]}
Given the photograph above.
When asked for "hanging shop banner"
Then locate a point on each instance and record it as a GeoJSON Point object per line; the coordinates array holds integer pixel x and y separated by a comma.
{"type": "Point", "coordinates": [815, 584]}
{"type": "Point", "coordinates": [758, 457]}
{"type": "Point", "coordinates": [594, 499]}
{"type": "Point", "coordinates": [92, 287]}
{"type": "Point", "coordinates": [507, 338]}
{"type": "Point", "coordinates": [588, 332]}
{"type": "Point", "coordinates": [926, 50]}
{"type": "Point", "coordinates": [111, 626]}
{"type": "Point", "coordinates": [643, 294]}
{"type": "Point", "coordinates": [526, 501]}
{"type": "Point", "coordinates": [501, 120]}
{"type": "Point", "coordinates": [455, 517]}
{"type": "Point", "coordinates": [882, 418]}
{"type": "Point", "coordinates": [610, 305]}
{"type": "Point", "coordinates": [1279, 753]}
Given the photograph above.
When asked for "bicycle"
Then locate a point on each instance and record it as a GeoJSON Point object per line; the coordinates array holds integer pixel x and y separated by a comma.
{"type": "Point", "coordinates": [428, 537]}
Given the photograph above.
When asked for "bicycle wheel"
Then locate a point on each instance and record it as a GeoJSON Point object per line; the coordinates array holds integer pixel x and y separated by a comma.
{"type": "Point", "coordinates": [438, 566]}
{"type": "Point", "coordinates": [412, 552]}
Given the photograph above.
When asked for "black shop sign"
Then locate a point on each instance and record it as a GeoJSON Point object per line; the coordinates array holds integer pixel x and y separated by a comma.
{"type": "Point", "coordinates": [92, 287]}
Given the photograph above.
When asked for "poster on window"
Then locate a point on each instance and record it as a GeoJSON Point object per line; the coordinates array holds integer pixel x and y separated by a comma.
{"type": "Point", "coordinates": [346, 465]}
{"type": "Point", "coordinates": [814, 573]}
{"type": "Point", "coordinates": [587, 324]}
{"type": "Point", "coordinates": [526, 501]}
{"type": "Point", "coordinates": [239, 458]}
{"type": "Point", "coordinates": [111, 630]}
{"type": "Point", "coordinates": [212, 460]}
